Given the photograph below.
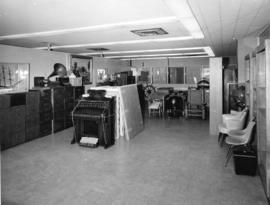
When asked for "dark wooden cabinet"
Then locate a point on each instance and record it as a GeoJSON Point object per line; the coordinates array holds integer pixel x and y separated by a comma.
{"type": "Point", "coordinates": [32, 115]}
{"type": "Point", "coordinates": [37, 113]}
{"type": "Point", "coordinates": [63, 101]}
{"type": "Point", "coordinates": [12, 120]}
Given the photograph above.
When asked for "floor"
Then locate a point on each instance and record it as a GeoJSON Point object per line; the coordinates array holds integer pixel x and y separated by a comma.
{"type": "Point", "coordinates": [171, 162]}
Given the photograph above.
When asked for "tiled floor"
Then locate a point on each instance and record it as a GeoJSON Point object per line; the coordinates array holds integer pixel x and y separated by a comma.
{"type": "Point", "coordinates": [170, 162]}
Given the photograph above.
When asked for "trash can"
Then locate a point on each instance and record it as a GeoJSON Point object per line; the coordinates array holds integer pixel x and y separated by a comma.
{"type": "Point", "coordinates": [245, 161]}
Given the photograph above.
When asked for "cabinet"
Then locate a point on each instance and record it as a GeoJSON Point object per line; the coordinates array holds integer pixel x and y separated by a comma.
{"type": "Point", "coordinates": [32, 115]}
{"type": "Point", "coordinates": [263, 112]}
{"type": "Point", "coordinates": [45, 112]}
{"type": "Point", "coordinates": [63, 101]}
{"type": "Point", "coordinates": [12, 120]}
{"type": "Point", "coordinates": [29, 115]}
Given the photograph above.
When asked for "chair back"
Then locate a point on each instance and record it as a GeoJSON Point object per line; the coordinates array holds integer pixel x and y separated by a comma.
{"type": "Point", "coordinates": [242, 119]}
{"type": "Point", "coordinates": [195, 97]}
{"type": "Point", "coordinates": [248, 132]}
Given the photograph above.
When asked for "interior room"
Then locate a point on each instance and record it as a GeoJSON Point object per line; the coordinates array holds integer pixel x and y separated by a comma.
{"type": "Point", "coordinates": [131, 102]}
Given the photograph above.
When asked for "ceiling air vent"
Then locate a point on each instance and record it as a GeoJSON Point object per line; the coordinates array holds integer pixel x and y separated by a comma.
{"type": "Point", "coordinates": [98, 49]}
{"type": "Point", "coordinates": [150, 32]}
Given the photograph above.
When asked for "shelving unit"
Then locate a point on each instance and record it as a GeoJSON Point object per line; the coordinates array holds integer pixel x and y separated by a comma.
{"type": "Point", "coordinates": [263, 112]}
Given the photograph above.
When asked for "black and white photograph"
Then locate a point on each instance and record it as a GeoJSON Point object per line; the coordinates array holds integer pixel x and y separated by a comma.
{"type": "Point", "coordinates": [135, 102]}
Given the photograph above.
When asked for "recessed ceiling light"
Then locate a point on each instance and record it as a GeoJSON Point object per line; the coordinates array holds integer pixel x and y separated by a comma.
{"type": "Point", "coordinates": [150, 32]}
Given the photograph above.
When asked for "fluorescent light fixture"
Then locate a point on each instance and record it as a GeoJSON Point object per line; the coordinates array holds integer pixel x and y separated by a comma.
{"type": "Point", "coordinates": [153, 55]}
{"type": "Point", "coordinates": [156, 58]}
{"type": "Point", "coordinates": [91, 28]}
{"type": "Point", "coordinates": [182, 10]}
{"type": "Point", "coordinates": [142, 51]}
{"type": "Point", "coordinates": [120, 42]}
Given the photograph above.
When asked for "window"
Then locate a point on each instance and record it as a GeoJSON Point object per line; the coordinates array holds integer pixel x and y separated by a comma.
{"type": "Point", "coordinates": [159, 75]}
{"type": "Point", "coordinates": [193, 75]}
{"type": "Point", "coordinates": [176, 75]}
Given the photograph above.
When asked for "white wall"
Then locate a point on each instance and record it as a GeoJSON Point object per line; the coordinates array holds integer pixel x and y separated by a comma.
{"type": "Point", "coordinates": [41, 62]}
{"type": "Point", "coordinates": [245, 46]}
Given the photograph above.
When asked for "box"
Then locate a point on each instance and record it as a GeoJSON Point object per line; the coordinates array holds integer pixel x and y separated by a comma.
{"type": "Point", "coordinates": [245, 161]}
{"type": "Point", "coordinates": [75, 81]}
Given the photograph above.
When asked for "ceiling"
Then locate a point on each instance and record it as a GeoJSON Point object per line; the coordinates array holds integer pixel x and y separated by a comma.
{"type": "Point", "coordinates": [194, 27]}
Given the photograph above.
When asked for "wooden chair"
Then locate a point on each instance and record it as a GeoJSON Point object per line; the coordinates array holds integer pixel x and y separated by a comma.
{"type": "Point", "coordinates": [195, 106]}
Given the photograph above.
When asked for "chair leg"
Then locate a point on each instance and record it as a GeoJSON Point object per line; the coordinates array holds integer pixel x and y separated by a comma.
{"type": "Point", "coordinates": [229, 155]}
{"type": "Point", "coordinates": [219, 137]}
{"type": "Point", "coordinates": [223, 139]}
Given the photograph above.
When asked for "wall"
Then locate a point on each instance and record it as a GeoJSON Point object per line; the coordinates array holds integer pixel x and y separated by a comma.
{"type": "Point", "coordinates": [194, 63]}
{"type": "Point", "coordinates": [215, 94]}
{"type": "Point", "coordinates": [41, 62]}
{"type": "Point", "coordinates": [245, 46]}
